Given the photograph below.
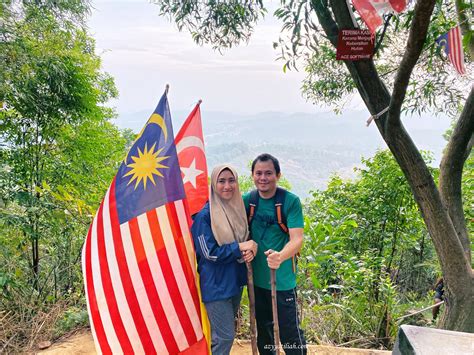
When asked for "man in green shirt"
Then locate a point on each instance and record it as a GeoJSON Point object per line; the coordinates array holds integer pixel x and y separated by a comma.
{"type": "Point", "coordinates": [276, 250]}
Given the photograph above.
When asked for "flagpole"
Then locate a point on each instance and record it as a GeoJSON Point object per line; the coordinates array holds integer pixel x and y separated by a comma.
{"type": "Point", "coordinates": [167, 88]}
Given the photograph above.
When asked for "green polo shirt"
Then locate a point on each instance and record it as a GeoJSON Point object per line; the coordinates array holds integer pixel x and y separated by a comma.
{"type": "Point", "coordinates": [268, 235]}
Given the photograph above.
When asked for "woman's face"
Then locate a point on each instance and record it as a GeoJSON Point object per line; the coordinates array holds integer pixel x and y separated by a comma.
{"type": "Point", "coordinates": [226, 185]}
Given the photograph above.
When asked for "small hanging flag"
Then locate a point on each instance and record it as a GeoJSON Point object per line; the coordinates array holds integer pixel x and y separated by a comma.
{"type": "Point", "coordinates": [452, 44]}
{"type": "Point", "coordinates": [371, 11]}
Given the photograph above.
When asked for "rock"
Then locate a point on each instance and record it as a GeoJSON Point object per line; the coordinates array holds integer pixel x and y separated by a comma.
{"type": "Point", "coordinates": [44, 344]}
{"type": "Point", "coordinates": [412, 340]}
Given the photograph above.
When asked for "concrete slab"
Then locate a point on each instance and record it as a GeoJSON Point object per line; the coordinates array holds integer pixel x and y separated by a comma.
{"type": "Point", "coordinates": [412, 340]}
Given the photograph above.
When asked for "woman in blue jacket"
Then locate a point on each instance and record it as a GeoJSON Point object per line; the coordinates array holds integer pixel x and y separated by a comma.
{"type": "Point", "coordinates": [220, 233]}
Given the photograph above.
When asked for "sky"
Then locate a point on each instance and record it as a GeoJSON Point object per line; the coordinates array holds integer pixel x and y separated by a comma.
{"type": "Point", "coordinates": [144, 52]}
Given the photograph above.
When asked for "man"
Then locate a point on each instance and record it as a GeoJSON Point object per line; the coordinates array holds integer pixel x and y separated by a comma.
{"type": "Point", "coordinates": [438, 296]}
{"type": "Point", "coordinates": [277, 250]}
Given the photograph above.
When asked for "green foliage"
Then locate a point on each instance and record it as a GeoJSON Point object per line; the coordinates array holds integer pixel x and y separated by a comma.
{"type": "Point", "coordinates": [327, 80]}
{"type": "Point", "coordinates": [221, 23]}
{"type": "Point", "coordinates": [366, 247]}
{"type": "Point", "coordinates": [468, 197]}
{"type": "Point", "coordinates": [58, 151]}
{"type": "Point", "coordinates": [73, 318]}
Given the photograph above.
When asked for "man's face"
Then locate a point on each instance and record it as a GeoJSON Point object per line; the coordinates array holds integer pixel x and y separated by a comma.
{"type": "Point", "coordinates": [265, 177]}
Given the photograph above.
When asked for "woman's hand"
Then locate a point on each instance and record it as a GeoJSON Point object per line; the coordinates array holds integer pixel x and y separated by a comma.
{"type": "Point", "coordinates": [249, 250]}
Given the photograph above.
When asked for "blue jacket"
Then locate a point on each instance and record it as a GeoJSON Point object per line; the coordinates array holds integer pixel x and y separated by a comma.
{"type": "Point", "coordinates": [221, 275]}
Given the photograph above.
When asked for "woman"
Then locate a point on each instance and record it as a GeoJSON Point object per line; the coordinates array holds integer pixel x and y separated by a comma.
{"type": "Point", "coordinates": [220, 233]}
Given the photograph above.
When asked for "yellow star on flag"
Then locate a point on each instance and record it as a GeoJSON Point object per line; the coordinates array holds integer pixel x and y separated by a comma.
{"type": "Point", "coordinates": [145, 166]}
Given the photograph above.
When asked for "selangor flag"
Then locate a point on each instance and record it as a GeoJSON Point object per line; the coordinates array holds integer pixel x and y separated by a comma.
{"type": "Point", "coordinates": [138, 258]}
{"type": "Point", "coordinates": [192, 160]}
{"type": "Point", "coordinates": [452, 44]}
{"type": "Point", "coordinates": [371, 11]}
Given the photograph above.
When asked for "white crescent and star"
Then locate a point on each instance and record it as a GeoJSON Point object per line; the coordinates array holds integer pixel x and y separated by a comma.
{"type": "Point", "coordinates": [190, 173]}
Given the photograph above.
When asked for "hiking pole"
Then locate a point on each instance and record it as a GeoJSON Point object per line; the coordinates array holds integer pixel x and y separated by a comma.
{"type": "Point", "coordinates": [276, 327]}
{"type": "Point", "coordinates": [253, 326]}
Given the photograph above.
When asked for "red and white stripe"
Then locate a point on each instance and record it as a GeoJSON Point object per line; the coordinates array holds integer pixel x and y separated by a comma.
{"type": "Point", "coordinates": [140, 281]}
{"type": "Point", "coordinates": [371, 11]}
{"type": "Point", "coordinates": [456, 53]}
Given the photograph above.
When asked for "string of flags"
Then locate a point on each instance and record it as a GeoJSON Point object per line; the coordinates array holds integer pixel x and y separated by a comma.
{"type": "Point", "coordinates": [372, 11]}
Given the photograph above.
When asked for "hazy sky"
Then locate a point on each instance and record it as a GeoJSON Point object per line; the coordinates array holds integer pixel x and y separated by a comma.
{"type": "Point", "coordinates": [144, 52]}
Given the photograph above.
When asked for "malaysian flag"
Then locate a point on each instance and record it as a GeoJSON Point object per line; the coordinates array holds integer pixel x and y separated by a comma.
{"type": "Point", "coordinates": [138, 258]}
{"type": "Point", "coordinates": [371, 11]}
{"type": "Point", "coordinates": [452, 44]}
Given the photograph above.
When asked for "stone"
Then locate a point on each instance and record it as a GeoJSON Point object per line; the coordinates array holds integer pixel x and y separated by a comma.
{"type": "Point", "coordinates": [44, 344]}
{"type": "Point", "coordinates": [412, 340]}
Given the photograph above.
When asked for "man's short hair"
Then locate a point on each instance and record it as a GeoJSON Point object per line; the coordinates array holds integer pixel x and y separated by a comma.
{"type": "Point", "coordinates": [266, 157]}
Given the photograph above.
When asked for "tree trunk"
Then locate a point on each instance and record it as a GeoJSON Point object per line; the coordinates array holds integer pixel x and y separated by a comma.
{"type": "Point", "coordinates": [459, 312]}
{"type": "Point", "coordinates": [456, 268]}
{"type": "Point", "coordinates": [455, 155]}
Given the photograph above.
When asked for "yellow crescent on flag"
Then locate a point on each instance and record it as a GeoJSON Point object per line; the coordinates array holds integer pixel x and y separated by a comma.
{"type": "Point", "coordinates": [156, 119]}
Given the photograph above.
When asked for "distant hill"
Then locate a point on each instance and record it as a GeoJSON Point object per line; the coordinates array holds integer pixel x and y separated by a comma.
{"type": "Point", "coordinates": [310, 147]}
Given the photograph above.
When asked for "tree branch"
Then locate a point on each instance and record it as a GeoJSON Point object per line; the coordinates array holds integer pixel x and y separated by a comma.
{"type": "Point", "coordinates": [377, 46]}
{"type": "Point", "coordinates": [325, 20]}
{"type": "Point", "coordinates": [416, 39]}
{"type": "Point", "coordinates": [456, 153]}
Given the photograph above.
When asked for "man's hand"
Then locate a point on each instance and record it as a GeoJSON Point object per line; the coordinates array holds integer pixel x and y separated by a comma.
{"type": "Point", "coordinates": [274, 259]}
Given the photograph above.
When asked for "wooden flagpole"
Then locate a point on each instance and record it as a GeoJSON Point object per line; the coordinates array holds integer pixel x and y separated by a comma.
{"type": "Point", "coordinates": [253, 324]}
{"type": "Point", "coordinates": [276, 327]}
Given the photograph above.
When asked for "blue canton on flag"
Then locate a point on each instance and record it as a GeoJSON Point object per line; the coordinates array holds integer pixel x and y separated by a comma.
{"type": "Point", "coordinates": [442, 41]}
{"type": "Point", "coordinates": [150, 175]}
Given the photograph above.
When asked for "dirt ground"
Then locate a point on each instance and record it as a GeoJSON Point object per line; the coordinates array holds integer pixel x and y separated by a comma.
{"type": "Point", "coordinates": [83, 344]}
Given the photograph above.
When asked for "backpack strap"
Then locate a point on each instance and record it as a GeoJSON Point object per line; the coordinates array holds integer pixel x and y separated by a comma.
{"type": "Point", "coordinates": [253, 204]}
{"type": "Point", "coordinates": [280, 195]}
{"type": "Point", "coordinates": [281, 219]}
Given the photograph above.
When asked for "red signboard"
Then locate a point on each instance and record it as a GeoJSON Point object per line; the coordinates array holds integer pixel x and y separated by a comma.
{"type": "Point", "coordinates": [355, 45]}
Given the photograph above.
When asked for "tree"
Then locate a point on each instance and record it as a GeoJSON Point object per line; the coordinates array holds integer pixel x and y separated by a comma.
{"type": "Point", "coordinates": [440, 205]}
{"type": "Point", "coordinates": [58, 152]}
{"type": "Point", "coordinates": [51, 85]}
